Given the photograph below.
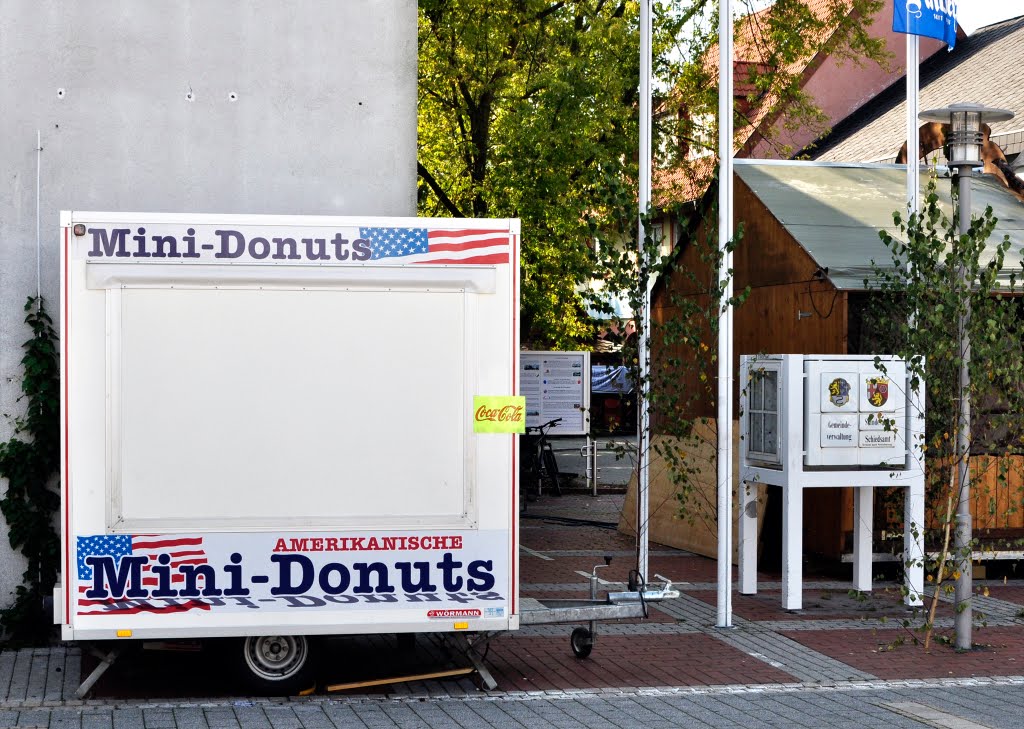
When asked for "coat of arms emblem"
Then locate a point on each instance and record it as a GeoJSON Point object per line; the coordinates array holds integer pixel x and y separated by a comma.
{"type": "Point", "coordinates": [878, 391]}
{"type": "Point", "coordinates": [839, 392]}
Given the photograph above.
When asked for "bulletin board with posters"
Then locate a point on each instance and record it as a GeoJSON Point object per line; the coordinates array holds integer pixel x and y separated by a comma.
{"type": "Point", "coordinates": [556, 385]}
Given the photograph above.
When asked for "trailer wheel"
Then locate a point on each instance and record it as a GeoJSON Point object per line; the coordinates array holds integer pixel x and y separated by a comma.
{"type": "Point", "coordinates": [277, 664]}
{"type": "Point", "coordinates": [582, 642]}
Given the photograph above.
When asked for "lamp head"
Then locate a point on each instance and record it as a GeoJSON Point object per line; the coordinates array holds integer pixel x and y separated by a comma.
{"type": "Point", "coordinates": [965, 136]}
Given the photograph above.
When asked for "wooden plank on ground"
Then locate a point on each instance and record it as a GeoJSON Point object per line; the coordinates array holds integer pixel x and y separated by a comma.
{"type": "Point", "coordinates": [400, 679]}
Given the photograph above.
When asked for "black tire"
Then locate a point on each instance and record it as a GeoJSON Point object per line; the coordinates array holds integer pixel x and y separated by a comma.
{"type": "Point", "coordinates": [529, 481]}
{"type": "Point", "coordinates": [278, 665]}
{"type": "Point", "coordinates": [551, 471]}
{"type": "Point", "coordinates": [582, 642]}
{"type": "Point", "coordinates": [529, 468]}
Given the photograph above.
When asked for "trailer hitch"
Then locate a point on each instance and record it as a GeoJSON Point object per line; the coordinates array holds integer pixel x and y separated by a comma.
{"type": "Point", "coordinates": [646, 594]}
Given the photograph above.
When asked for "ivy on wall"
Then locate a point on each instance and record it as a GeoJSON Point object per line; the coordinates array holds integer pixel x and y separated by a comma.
{"type": "Point", "coordinates": [30, 463]}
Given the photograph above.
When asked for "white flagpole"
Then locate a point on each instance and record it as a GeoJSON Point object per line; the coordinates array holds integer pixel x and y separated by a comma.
{"type": "Point", "coordinates": [913, 109]}
{"type": "Point", "coordinates": [644, 446]}
{"type": "Point", "coordinates": [913, 537]}
{"type": "Point", "coordinates": [725, 373]}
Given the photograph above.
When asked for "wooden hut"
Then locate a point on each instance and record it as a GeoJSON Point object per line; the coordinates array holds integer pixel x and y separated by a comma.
{"type": "Point", "coordinates": [810, 236]}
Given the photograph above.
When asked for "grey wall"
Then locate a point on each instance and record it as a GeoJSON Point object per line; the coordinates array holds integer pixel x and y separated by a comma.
{"type": "Point", "coordinates": [322, 121]}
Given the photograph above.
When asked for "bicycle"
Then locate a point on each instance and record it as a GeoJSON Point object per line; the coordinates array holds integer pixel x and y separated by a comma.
{"type": "Point", "coordinates": [538, 465]}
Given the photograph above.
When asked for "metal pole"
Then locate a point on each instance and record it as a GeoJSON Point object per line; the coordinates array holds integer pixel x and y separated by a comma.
{"type": "Point", "coordinates": [592, 464]}
{"type": "Point", "coordinates": [724, 429]}
{"type": "Point", "coordinates": [39, 245]}
{"type": "Point", "coordinates": [913, 544]}
{"type": "Point", "coordinates": [964, 537]}
{"type": "Point", "coordinates": [643, 447]}
{"type": "Point", "coordinates": [913, 136]}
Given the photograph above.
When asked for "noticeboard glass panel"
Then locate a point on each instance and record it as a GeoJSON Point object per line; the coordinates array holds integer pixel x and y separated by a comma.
{"type": "Point", "coordinates": [556, 385]}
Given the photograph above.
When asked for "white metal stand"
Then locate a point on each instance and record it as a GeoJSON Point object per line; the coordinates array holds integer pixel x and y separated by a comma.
{"type": "Point", "coordinates": [794, 478]}
{"type": "Point", "coordinates": [590, 456]}
{"type": "Point", "coordinates": [792, 541]}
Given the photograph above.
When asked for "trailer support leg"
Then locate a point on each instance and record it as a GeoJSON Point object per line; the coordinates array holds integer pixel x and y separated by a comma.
{"type": "Point", "coordinates": [468, 649]}
{"type": "Point", "coordinates": [106, 661]}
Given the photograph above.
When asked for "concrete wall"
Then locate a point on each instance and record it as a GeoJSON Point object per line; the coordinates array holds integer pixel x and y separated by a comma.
{"type": "Point", "coordinates": [233, 106]}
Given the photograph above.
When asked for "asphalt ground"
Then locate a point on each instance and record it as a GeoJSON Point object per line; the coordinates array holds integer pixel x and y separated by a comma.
{"type": "Point", "coordinates": [615, 460]}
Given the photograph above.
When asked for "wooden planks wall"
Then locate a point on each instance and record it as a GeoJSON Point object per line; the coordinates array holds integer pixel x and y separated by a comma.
{"type": "Point", "coordinates": [997, 492]}
{"type": "Point", "coordinates": [789, 311]}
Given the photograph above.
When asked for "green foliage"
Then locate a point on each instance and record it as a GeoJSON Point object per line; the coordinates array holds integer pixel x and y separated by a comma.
{"type": "Point", "coordinates": [776, 43]}
{"type": "Point", "coordinates": [937, 277]}
{"type": "Point", "coordinates": [30, 461]}
{"type": "Point", "coordinates": [685, 377]}
{"type": "Point", "coordinates": [522, 106]}
{"type": "Point", "coordinates": [682, 379]}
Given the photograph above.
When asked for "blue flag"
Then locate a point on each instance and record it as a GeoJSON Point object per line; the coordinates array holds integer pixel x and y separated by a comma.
{"type": "Point", "coordinates": [932, 18]}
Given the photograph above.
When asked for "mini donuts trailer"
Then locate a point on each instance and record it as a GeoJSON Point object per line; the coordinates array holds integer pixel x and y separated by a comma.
{"type": "Point", "coordinates": [269, 432]}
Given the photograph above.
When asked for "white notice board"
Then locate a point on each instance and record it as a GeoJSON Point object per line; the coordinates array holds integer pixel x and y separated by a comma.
{"type": "Point", "coordinates": [556, 385]}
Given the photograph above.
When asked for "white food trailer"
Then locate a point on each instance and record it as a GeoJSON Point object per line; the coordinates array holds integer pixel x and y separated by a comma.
{"type": "Point", "coordinates": [276, 427]}
{"type": "Point", "coordinates": [247, 450]}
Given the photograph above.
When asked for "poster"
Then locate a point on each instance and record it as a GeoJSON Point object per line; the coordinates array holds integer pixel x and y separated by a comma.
{"type": "Point", "coordinates": [556, 385]}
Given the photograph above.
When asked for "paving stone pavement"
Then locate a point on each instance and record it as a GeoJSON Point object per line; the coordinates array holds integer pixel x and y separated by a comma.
{"type": "Point", "coordinates": [825, 666]}
{"type": "Point", "coordinates": [992, 703]}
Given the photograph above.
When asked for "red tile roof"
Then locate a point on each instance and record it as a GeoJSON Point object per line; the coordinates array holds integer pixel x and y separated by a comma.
{"type": "Point", "coordinates": [688, 180]}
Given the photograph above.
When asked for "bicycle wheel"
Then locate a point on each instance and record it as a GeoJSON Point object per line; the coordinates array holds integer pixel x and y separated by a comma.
{"type": "Point", "coordinates": [550, 464]}
{"type": "Point", "coordinates": [529, 469]}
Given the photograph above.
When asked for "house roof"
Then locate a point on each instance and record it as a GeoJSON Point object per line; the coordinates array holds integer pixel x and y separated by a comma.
{"type": "Point", "coordinates": [688, 180]}
{"type": "Point", "coordinates": [834, 211]}
{"type": "Point", "coordinates": [751, 48]}
{"type": "Point", "coordinates": [987, 67]}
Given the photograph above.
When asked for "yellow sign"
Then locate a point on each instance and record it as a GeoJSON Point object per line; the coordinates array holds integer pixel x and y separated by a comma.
{"type": "Point", "coordinates": [499, 414]}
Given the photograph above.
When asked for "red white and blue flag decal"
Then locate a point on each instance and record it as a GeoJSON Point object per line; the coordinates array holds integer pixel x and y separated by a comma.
{"type": "Point", "coordinates": [181, 550]}
{"type": "Point", "coordinates": [418, 245]}
{"type": "Point", "coordinates": [931, 18]}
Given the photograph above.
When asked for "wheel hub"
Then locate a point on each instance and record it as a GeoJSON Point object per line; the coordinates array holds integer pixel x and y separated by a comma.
{"type": "Point", "coordinates": [276, 657]}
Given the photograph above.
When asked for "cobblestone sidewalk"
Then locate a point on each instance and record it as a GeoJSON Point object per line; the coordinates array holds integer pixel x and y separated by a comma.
{"type": "Point", "coordinates": [845, 660]}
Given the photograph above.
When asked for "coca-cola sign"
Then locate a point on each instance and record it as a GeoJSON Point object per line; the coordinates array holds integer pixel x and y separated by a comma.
{"type": "Point", "coordinates": [507, 414]}
{"type": "Point", "coordinates": [499, 414]}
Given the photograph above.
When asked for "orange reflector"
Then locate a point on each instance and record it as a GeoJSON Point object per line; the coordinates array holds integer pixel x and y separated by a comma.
{"type": "Point", "coordinates": [462, 626]}
{"type": "Point", "coordinates": [124, 634]}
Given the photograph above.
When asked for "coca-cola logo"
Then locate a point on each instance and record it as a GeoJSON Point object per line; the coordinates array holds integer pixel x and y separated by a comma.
{"type": "Point", "coordinates": [505, 414]}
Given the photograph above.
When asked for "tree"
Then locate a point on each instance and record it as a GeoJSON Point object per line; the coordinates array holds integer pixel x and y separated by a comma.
{"type": "Point", "coordinates": [936, 277]}
{"type": "Point", "coordinates": [525, 106]}
{"type": "Point", "coordinates": [522, 106]}
{"type": "Point", "coordinates": [773, 48]}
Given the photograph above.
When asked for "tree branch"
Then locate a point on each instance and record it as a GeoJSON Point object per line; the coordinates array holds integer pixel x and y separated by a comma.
{"type": "Point", "coordinates": [549, 10]}
{"type": "Point", "coordinates": [446, 201]}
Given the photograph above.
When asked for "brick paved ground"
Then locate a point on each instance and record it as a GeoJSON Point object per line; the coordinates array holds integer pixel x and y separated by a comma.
{"type": "Point", "coordinates": [845, 660]}
{"type": "Point", "coordinates": [692, 659]}
{"type": "Point", "coordinates": [567, 569]}
{"type": "Point", "coordinates": [819, 604]}
{"type": "Point", "coordinates": [972, 704]}
{"type": "Point", "coordinates": [892, 654]}
{"type": "Point", "coordinates": [1010, 592]}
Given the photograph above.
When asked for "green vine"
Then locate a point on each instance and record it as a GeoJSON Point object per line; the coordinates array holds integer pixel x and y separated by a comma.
{"type": "Point", "coordinates": [30, 463]}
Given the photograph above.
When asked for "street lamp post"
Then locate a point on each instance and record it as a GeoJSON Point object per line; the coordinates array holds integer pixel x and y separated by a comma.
{"type": "Point", "coordinates": [963, 143]}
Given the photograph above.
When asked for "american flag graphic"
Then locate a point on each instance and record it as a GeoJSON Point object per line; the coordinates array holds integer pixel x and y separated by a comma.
{"type": "Point", "coordinates": [180, 548]}
{"type": "Point", "coordinates": [419, 245]}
